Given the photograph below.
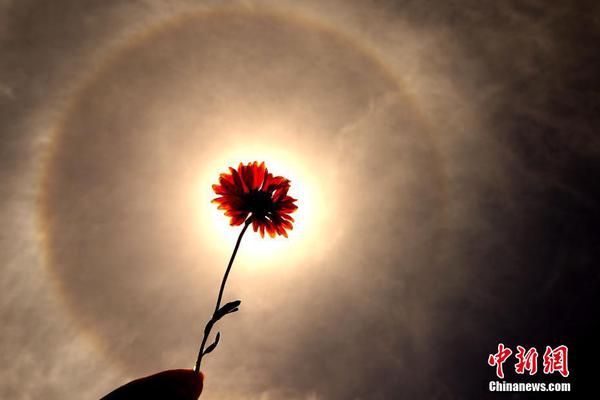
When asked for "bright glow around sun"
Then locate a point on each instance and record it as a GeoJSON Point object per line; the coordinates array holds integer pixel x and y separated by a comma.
{"type": "Point", "coordinates": [309, 185]}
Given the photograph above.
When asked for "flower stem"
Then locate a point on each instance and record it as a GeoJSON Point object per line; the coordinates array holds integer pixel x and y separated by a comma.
{"type": "Point", "coordinates": [212, 321]}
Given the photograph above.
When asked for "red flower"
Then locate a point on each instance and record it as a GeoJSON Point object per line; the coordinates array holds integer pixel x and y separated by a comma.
{"type": "Point", "coordinates": [252, 191]}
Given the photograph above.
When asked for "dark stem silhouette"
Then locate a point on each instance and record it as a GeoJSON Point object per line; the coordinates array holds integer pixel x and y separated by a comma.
{"type": "Point", "coordinates": [221, 311]}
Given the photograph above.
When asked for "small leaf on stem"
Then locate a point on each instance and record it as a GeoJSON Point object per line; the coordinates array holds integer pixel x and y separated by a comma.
{"type": "Point", "coordinates": [214, 344]}
{"type": "Point", "coordinates": [226, 309]}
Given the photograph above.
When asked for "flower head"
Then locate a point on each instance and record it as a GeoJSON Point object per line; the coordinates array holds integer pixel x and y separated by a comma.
{"type": "Point", "coordinates": [253, 192]}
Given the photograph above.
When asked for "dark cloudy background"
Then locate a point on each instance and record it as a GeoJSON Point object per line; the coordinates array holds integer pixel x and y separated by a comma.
{"type": "Point", "coordinates": [456, 141]}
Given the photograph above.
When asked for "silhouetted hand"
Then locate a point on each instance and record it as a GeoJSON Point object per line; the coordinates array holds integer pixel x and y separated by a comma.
{"type": "Point", "coordinates": [174, 384]}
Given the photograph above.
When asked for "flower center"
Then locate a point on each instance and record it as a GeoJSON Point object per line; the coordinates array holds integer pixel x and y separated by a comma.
{"type": "Point", "coordinates": [259, 203]}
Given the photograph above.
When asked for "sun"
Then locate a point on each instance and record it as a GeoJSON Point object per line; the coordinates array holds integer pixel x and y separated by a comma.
{"type": "Point", "coordinates": [308, 237]}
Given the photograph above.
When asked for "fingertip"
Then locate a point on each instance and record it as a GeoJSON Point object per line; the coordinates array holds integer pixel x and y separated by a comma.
{"type": "Point", "coordinates": [196, 380]}
{"type": "Point", "coordinates": [171, 384]}
{"type": "Point", "coordinates": [189, 381]}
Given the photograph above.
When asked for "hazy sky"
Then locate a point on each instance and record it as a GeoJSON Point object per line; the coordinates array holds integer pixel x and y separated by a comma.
{"type": "Point", "coordinates": [444, 157]}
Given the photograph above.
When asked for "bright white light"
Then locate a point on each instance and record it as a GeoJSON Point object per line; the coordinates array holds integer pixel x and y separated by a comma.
{"type": "Point", "coordinates": [311, 185]}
